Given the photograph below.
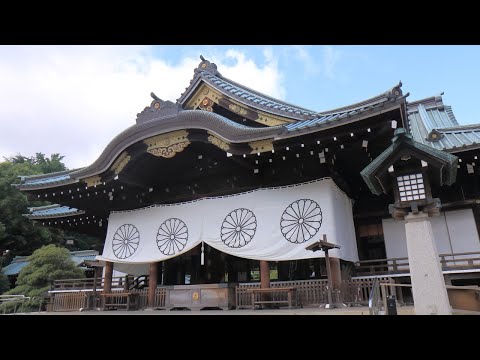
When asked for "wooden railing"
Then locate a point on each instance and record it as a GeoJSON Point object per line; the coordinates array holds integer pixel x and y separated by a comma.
{"type": "Point", "coordinates": [310, 292]}
{"type": "Point", "coordinates": [468, 303]}
{"type": "Point", "coordinates": [314, 292]}
{"type": "Point", "coordinates": [17, 300]}
{"type": "Point", "coordinates": [119, 300]}
{"type": "Point", "coordinates": [357, 291]}
{"type": "Point", "coordinates": [456, 261]}
{"type": "Point", "coordinates": [139, 282]}
{"type": "Point", "coordinates": [118, 282]}
{"type": "Point", "coordinates": [76, 300]}
{"type": "Point", "coordinates": [159, 302]}
{"type": "Point", "coordinates": [71, 301]}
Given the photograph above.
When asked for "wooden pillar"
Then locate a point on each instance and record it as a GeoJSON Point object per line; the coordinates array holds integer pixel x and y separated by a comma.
{"type": "Point", "coordinates": [152, 284]}
{"type": "Point", "coordinates": [264, 274]}
{"type": "Point", "coordinates": [329, 277]}
{"type": "Point", "coordinates": [97, 274]}
{"type": "Point", "coordinates": [107, 286]}
{"type": "Point", "coordinates": [335, 272]}
{"type": "Point", "coordinates": [125, 284]}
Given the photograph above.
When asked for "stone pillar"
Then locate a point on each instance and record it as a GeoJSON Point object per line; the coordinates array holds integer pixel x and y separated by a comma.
{"type": "Point", "coordinates": [335, 272]}
{"type": "Point", "coordinates": [152, 284]}
{"type": "Point", "coordinates": [107, 286]}
{"type": "Point", "coordinates": [428, 286]}
{"type": "Point", "coordinates": [264, 274]}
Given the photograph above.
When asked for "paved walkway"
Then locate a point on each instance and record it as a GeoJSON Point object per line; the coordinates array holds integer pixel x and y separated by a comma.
{"type": "Point", "coordinates": [404, 310]}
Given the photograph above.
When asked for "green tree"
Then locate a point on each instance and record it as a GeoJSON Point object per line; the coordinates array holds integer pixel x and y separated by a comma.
{"type": "Point", "coordinates": [42, 163]}
{"type": "Point", "coordinates": [4, 283]}
{"type": "Point", "coordinates": [18, 234]}
{"type": "Point", "coordinates": [46, 264]}
{"type": "Point", "coordinates": [48, 165]}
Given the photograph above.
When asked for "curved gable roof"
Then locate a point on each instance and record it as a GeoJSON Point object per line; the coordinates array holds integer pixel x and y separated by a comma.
{"type": "Point", "coordinates": [207, 72]}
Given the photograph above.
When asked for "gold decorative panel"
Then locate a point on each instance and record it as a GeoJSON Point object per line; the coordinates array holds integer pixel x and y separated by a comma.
{"type": "Point", "coordinates": [120, 163]}
{"type": "Point", "coordinates": [237, 109]}
{"type": "Point", "coordinates": [218, 142]}
{"type": "Point", "coordinates": [271, 120]}
{"type": "Point", "coordinates": [206, 96]}
{"type": "Point", "coordinates": [261, 146]}
{"type": "Point", "coordinates": [167, 145]}
{"type": "Point", "coordinates": [203, 92]}
{"type": "Point", "coordinates": [93, 181]}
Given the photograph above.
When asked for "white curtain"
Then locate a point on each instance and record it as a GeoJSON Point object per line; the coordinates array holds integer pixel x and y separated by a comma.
{"type": "Point", "coordinates": [265, 224]}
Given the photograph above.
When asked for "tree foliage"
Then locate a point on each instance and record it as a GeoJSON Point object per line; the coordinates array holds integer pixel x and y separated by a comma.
{"type": "Point", "coordinates": [46, 264]}
{"type": "Point", "coordinates": [18, 234]}
{"type": "Point", "coordinates": [43, 164]}
{"type": "Point", "coordinates": [4, 283]}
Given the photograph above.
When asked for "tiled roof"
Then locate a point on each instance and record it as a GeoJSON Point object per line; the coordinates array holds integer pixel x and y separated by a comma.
{"type": "Point", "coordinates": [52, 179]}
{"type": "Point", "coordinates": [358, 109]}
{"type": "Point", "coordinates": [255, 98]}
{"type": "Point", "coordinates": [432, 123]}
{"type": "Point", "coordinates": [52, 211]}
{"type": "Point", "coordinates": [215, 123]}
{"type": "Point", "coordinates": [207, 72]}
{"type": "Point", "coordinates": [19, 262]}
{"type": "Point", "coordinates": [80, 259]}
{"type": "Point", "coordinates": [371, 175]}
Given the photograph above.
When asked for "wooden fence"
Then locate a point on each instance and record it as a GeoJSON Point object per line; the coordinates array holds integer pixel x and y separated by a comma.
{"type": "Point", "coordinates": [118, 282]}
{"type": "Point", "coordinates": [357, 290]}
{"type": "Point", "coordinates": [76, 300]}
{"type": "Point", "coordinates": [455, 261]}
{"type": "Point", "coordinates": [70, 301]}
{"type": "Point", "coordinates": [159, 301]}
{"type": "Point", "coordinates": [310, 293]}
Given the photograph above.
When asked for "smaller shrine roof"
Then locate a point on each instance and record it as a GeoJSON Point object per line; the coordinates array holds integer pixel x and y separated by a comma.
{"type": "Point", "coordinates": [432, 123]}
{"type": "Point", "coordinates": [372, 173]}
{"type": "Point", "coordinates": [52, 212]}
{"type": "Point", "coordinates": [52, 179]}
{"type": "Point", "coordinates": [19, 262]}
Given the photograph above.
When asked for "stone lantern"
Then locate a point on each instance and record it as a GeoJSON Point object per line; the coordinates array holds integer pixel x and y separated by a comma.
{"type": "Point", "coordinates": [408, 168]}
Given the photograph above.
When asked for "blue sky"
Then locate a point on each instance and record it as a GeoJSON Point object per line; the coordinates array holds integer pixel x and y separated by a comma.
{"type": "Point", "coordinates": [76, 99]}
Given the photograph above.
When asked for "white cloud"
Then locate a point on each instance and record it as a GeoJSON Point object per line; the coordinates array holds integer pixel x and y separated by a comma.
{"type": "Point", "coordinates": [266, 79]}
{"type": "Point", "coordinates": [75, 99]}
{"type": "Point", "coordinates": [311, 66]}
{"type": "Point", "coordinates": [330, 60]}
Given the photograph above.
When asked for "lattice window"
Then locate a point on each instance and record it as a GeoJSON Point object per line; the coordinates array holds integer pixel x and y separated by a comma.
{"type": "Point", "coordinates": [411, 187]}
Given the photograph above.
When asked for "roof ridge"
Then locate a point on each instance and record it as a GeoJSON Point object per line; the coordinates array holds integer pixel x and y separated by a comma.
{"type": "Point", "coordinates": [268, 97]}
{"type": "Point", "coordinates": [44, 207]}
{"type": "Point", "coordinates": [459, 127]}
{"type": "Point", "coordinates": [208, 73]}
{"type": "Point", "coordinates": [393, 92]}
{"type": "Point", "coordinates": [433, 97]}
{"type": "Point", "coordinates": [53, 174]}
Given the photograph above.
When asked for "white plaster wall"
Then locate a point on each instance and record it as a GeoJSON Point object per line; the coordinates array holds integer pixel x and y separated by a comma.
{"type": "Point", "coordinates": [395, 239]}
{"type": "Point", "coordinates": [463, 231]}
{"type": "Point", "coordinates": [440, 234]}
{"type": "Point", "coordinates": [454, 231]}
